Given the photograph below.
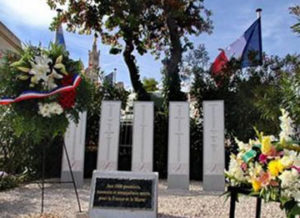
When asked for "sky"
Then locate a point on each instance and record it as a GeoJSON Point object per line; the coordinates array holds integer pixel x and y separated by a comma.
{"type": "Point", "coordinates": [29, 20]}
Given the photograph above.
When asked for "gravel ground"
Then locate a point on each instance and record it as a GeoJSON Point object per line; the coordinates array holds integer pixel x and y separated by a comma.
{"type": "Point", "coordinates": [61, 202]}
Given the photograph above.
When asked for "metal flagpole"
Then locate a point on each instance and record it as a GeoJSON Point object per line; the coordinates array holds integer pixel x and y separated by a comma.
{"type": "Point", "coordinates": [258, 12]}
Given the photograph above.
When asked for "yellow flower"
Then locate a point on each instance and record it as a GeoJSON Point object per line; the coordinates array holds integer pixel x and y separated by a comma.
{"type": "Point", "coordinates": [256, 185]}
{"type": "Point", "coordinates": [275, 167]}
{"type": "Point", "coordinates": [257, 169]}
{"type": "Point", "coordinates": [266, 145]}
{"type": "Point", "coordinates": [286, 161]}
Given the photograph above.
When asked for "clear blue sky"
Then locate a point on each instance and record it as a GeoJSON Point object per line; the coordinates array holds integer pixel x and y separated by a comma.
{"type": "Point", "coordinates": [30, 19]}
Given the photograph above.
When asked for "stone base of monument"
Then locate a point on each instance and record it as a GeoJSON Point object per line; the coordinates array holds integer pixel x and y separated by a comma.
{"type": "Point", "coordinates": [66, 177]}
{"type": "Point", "coordinates": [117, 194]}
{"type": "Point", "coordinates": [178, 182]}
{"type": "Point", "coordinates": [81, 215]}
{"type": "Point", "coordinates": [214, 183]}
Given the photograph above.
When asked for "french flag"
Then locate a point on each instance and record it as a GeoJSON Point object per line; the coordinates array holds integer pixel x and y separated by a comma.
{"type": "Point", "coordinates": [59, 34]}
{"type": "Point", "coordinates": [59, 37]}
{"type": "Point", "coordinates": [248, 45]}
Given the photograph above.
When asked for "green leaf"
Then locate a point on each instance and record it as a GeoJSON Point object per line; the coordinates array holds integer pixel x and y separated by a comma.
{"type": "Point", "coordinates": [59, 66]}
{"type": "Point", "coordinates": [23, 77]}
{"type": "Point", "coordinates": [23, 69]}
{"type": "Point", "coordinates": [17, 63]}
{"type": "Point", "coordinates": [115, 51]}
{"type": "Point", "coordinates": [259, 134]}
{"type": "Point", "coordinates": [59, 59]}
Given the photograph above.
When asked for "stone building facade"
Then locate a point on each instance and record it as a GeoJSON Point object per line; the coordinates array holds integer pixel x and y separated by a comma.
{"type": "Point", "coordinates": [8, 40]}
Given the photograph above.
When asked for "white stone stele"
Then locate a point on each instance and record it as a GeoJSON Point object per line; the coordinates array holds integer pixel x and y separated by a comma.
{"type": "Point", "coordinates": [142, 149]}
{"type": "Point", "coordinates": [214, 151]}
{"type": "Point", "coordinates": [95, 212]}
{"type": "Point", "coordinates": [75, 144]}
{"type": "Point", "coordinates": [179, 146]}
{"type": "Point", "coordinates": [108, 145]}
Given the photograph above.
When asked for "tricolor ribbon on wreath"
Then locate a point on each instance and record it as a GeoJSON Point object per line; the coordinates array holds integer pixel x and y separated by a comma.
{"type": "Point", "coordinates": [26, 95]}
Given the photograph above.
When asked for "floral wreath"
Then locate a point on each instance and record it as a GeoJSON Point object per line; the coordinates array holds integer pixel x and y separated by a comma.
{"type": "Point", "coordinates": [45, 89]}
{"type": "Point", "coordinates": [270, 167]}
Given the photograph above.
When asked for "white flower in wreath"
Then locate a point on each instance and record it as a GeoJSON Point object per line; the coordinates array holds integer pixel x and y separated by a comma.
{"type": "Point", "coordinates": [55, 108]}
{"type": "Point", "coordinates": [288, 177]}
{"type": "Point", "coordinates": [296, 195]}
{"type": "Point", "coordinates": [47, 110]}
{"type": "Point", "coordinates": [40, 69]}
{"type": "Point", "coordinates": [243, 146]}
{"type": "Point", "coordinates": [293, 156]}
{"type": "Point", "coordinates": [50, 83]}
{"type": "Point", "coordinates": [235, 169]}
{"type": "Point", "coordinates": [44, 110]}
{"type": "Point", "coordinates": [286, 125]}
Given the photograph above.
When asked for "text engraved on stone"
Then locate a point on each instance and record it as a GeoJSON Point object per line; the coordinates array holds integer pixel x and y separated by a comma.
{"type": "Point", "coordinates": [179, 135]}
{"type": "Point", "coordinates": [143, 129]}
{"type": "Point", "coordinates": [123, 193]}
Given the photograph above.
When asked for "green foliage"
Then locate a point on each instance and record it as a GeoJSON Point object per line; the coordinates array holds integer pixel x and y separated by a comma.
{"type": "Point", "coordinates": [282, 90]}
{"type": "Point", "coordinates": [114, 93]}
{"type": "Point", "coordinates": [150, 84]}
{"type": "Point", "coordinates": [8, 182]}
{"type": "Point", "coordinates": [296, 12]}
{"type": "Point", "coordinates": [292, 209]}
{"type": "Point", "coordinates": [172, 88]}
{"type": "Point", "coordinates": [20, 157]}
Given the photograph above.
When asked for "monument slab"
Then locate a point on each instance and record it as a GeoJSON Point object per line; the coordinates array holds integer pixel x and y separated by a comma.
{"type": "Point", "coordinates": [75, 144]}
{"type": "Point", "coordinates": [179, 146]}
{"type": "Point", "coordinates": [142, 149]}
{"type": "Point", "coordinates": [117, 194]}
{"type": "Point", "coordinates": [108, 145]}
{"type": "Point", "coordinates": [214, 151]}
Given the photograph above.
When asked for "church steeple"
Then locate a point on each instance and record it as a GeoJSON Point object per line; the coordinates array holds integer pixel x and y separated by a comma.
{"type": "Point", "coordinates": [92, 72]}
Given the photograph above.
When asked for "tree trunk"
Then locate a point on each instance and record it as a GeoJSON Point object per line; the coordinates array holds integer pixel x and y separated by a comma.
{"type": "Point", "coordinates": [134, 72]}
{"type": "Point", "coordinates": [172, 65]}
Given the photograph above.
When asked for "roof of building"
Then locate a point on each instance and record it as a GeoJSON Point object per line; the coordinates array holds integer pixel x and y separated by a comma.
{"type": "Point", "coordinates": [10, 37]}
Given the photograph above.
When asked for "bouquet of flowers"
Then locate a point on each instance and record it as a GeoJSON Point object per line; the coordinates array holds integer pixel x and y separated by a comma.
{"type": "Point", "coordinates": [45, 89]}
{"type": "Point", "coordinates": [270, 167]}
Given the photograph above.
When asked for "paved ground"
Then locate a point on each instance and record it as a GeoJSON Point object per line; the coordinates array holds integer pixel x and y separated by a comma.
{"type": "Point", "coordinates": [61, 202]}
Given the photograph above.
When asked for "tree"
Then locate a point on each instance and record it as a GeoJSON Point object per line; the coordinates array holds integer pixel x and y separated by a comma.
{"type": "Point", "coordinates": [114, 20]}
{"type": "Point", "coordinates": [149, 25]}
{"type": "Point", "coordinates": [150, 84]}
{"type": "Point", "coordinates": [296, 11]}
{"type": "Point", "coordinates": [283, 91]}
{"type": "Point", "coordinates": [182, 18]}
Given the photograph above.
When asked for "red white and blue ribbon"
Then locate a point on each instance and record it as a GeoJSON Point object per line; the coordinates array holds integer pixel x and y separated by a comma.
{"type": "Point", "coordinates": [26, 95]}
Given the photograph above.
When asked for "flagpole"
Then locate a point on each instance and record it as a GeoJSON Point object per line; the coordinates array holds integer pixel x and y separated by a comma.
{"type": "Point", "coordinates": [58, 10]}
{"type": "Point", "coordinates": [258, 12]}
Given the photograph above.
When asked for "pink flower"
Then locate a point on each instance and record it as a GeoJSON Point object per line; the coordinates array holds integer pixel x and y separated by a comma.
{"type": "Point", "coordinates": [264, 178]}
{"type": "Point", "coordinates": [244, 166]}
{"type": "Point", "coordinates": [274, 183]}
{"type": "Point", "coordinates": [263, 158]}
{"type": "Point", "coordinates": [273, 152]}
{"type": "Point", "coordinates": [296, 168]}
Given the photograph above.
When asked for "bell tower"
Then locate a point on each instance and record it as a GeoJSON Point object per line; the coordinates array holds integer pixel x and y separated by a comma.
{"type": "Point", "coordinates": [93, 70]}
